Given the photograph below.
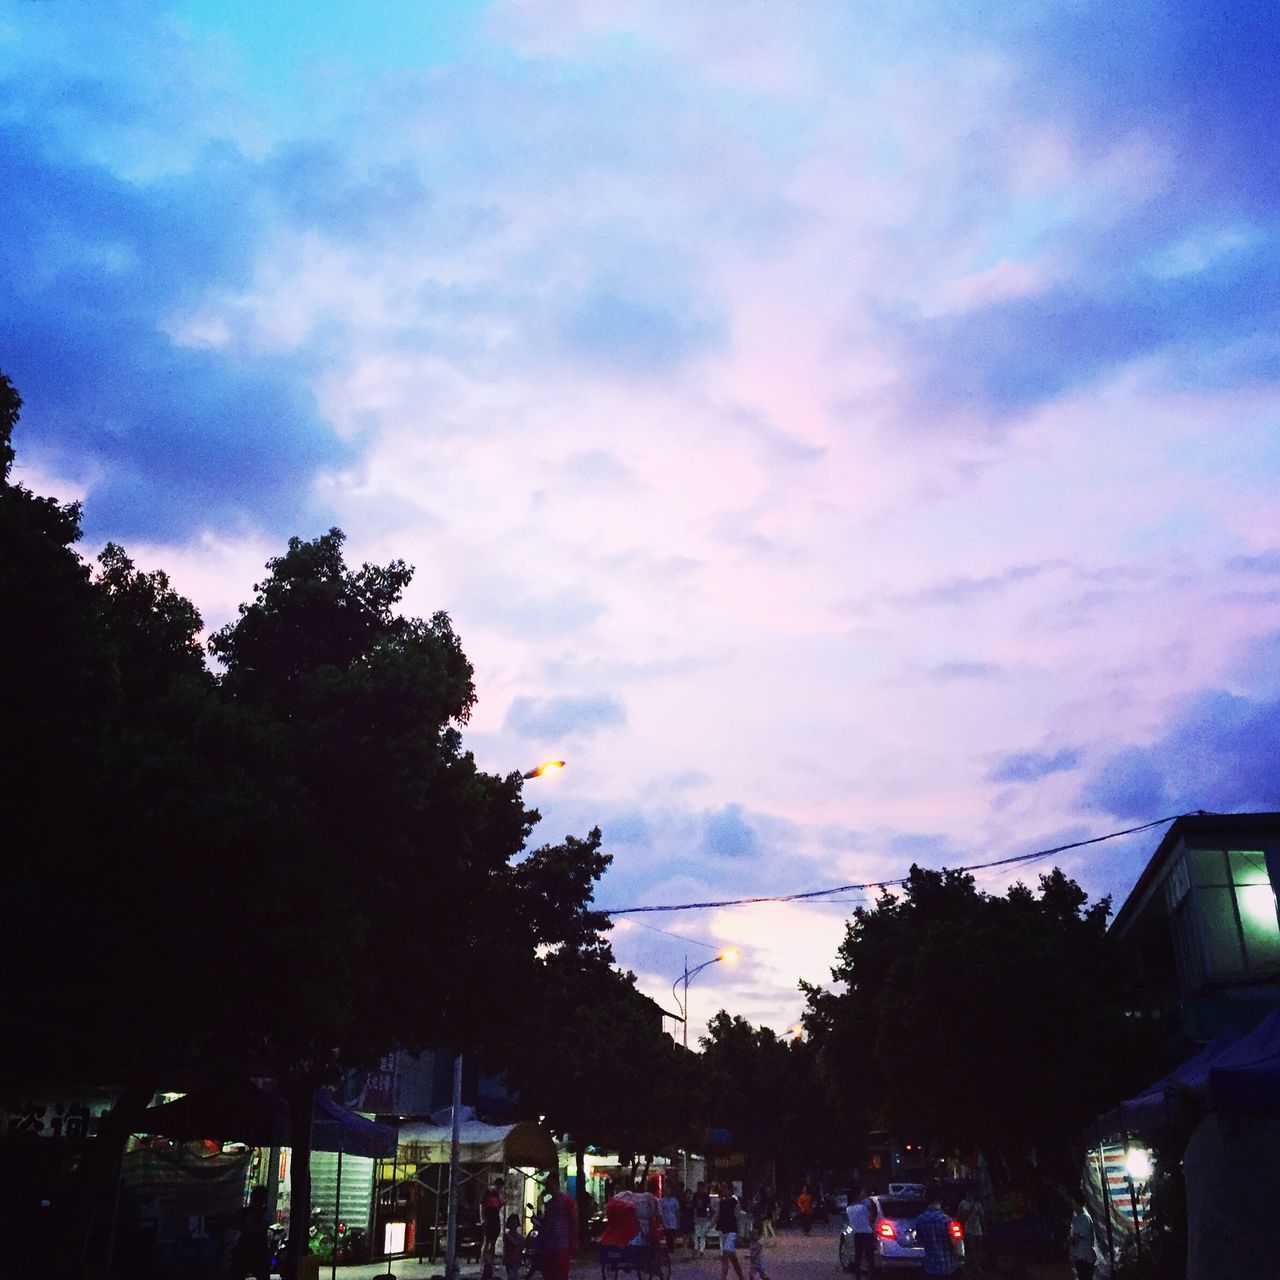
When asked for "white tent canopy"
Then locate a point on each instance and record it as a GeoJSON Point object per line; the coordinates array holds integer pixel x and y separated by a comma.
{"type": "Point", "coordinates": [524, 1145]}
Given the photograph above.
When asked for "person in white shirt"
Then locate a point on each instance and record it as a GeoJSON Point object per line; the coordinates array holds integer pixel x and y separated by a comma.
{"type": "Point", "coordinates": [862, 1218]}
{"type": "Point", "coordinates": [1083, 1245]}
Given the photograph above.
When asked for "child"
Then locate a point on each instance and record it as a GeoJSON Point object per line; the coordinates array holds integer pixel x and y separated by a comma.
{"type": "Point", "coordinates": [512, 1247]}
{"type": "Point", "coordinates": [757, 1257]}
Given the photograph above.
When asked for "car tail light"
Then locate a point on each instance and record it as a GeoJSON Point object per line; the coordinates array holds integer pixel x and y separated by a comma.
{"type": "Point", "coordinates": [957, 1231]}
{"type": "Point", "coordinates": [884, 1229]}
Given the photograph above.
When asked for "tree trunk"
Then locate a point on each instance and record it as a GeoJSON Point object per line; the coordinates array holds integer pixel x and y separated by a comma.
{"type": "Point", "coordinates": [90, 1217]}
{"type": "Point", "coordinates": [580, 1188]}
{"type": "Point", "coordinates": [302, 1101]}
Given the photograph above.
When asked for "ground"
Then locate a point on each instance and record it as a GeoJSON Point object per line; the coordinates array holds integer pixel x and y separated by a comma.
{"type": "Point", "coordinates": [791, 1257]}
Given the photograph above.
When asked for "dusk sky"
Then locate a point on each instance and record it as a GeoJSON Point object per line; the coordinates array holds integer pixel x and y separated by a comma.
{"type": "Point", "coordinates": [848, 433]}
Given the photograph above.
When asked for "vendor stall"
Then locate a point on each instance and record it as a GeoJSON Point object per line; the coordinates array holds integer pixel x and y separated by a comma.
{"type": "Point", "coordinates": [521, 1154]}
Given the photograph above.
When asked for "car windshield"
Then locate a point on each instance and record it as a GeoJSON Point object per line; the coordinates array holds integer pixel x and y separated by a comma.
{"type": "Point", "coordinates": [902, 1208]}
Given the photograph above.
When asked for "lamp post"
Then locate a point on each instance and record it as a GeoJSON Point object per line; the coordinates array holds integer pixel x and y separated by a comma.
{"type": "Point", "coordinates": [455, 1114]}
{"type": "Point", "coordinates": [729, 953]}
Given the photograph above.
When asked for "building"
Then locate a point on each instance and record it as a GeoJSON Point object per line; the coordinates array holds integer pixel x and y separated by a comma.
{"type": "Point", "coordinates": [1201, 926]}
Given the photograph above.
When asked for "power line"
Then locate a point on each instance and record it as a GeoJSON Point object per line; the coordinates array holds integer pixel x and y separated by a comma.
{"type": "Point", "coordinates": [885, 884]}
{"type": "Point", "coordinates": [653, 928]}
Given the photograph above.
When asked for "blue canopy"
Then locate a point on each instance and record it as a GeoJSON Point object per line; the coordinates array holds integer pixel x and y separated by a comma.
{"type": "Point", "coordinates": [1231, 1073]}
{"type": "Point", "coordinates": [1246, 1076]}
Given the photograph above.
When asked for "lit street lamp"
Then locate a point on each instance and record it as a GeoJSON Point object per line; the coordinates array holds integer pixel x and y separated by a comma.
{"type": "Point", "coordinates": [729, 953]}
{"type": "Point", "coordinates": [455, 1118]}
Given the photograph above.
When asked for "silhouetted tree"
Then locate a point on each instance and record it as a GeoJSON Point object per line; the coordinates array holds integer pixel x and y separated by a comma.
{"type": "Point", "coordinates": [282, 866]}
{"type": "Point", "coordinates": [978, 1019]}
{"type": "Point", "coordinates": [593, 1059]}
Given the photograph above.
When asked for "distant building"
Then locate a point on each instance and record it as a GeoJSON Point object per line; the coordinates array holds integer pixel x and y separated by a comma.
{"type": "Point", "coordinates": [1201, 926]}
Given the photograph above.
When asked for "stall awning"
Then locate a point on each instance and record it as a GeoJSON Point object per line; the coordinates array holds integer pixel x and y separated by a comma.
{"type": "Point", "coordinates": [526, 1145]}
{"type": "Point", "coordinates": [238, 1111]}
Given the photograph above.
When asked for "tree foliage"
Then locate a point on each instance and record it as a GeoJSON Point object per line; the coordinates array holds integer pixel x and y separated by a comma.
{"type": "Point", "coordinates": [280, 865]}
{"type": "Point", "coordinates": [979, 1019]}
{"type": "Point", "coordinates": [767, 1092]}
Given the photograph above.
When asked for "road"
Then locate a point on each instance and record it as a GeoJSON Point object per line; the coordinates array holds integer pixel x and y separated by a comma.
{"type": "Point", "coordinates": [792, 1256]}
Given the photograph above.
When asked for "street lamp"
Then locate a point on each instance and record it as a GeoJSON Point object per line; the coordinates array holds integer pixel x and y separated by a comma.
{"type": "Point", "coordinates": [729, 953]}
{"type": "Point", "coordinates": [455, 1118]}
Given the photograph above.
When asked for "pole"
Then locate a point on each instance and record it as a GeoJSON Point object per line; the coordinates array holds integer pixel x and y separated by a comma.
{"type": "Point", "coordinates": [455, 1145]}
{"type": "Point", "coordinates": [685, 1010]}
{"type": "Point", "coordinates": [685, 1020]}
{"type": "Point", "coordinates": [1106, 1201]}
{"type": "Point", "coordinates": [337, 1216]}
{"type": "Point", "coordinates": [1137, 1225]}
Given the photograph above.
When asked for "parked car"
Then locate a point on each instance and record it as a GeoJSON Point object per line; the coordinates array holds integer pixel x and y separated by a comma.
{"type": "Point", "coordinates": [895, 1231]}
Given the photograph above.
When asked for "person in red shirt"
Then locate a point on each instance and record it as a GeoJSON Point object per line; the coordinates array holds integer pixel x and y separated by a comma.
{"type": "Point", "coordinates": [558, 1235]}
{"type": "Point", "coordinates": [491, 1225]}
{"type": "Point", "coordinates": [804, 1206]}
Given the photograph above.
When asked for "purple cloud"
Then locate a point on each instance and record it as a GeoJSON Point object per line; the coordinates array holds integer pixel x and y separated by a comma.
{"type": "Point", "coordinates": [1221, 753]}
{"type": "Point", "coordinates": [548, 718]}
{"type": "Point", "coordinates": [1030, 766]}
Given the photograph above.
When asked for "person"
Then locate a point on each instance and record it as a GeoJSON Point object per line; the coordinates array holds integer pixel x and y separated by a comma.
{"type": "Point", "coordinates": [973, 1220]}
{"type": "Point", "coordinates": [490, 1225]}
{"type": "Point", "coordinates": [1082, 1245]}
{"type": "Point", "coordinates": [862, 1219]}
{"type": "Point", "coordinates": [621, 1222]}
{"type": "Point", "coordinates": [727, 1226]}
{"type": "Point", "coordinates": [933, 1233]}
{"type": "Point", "coordinates": [804, 1207]}
{"type": "Point", "coordinates": [558, 1234]}
{"type": "Point", "coordinates": [768, 1211]}
{"type": "Point", "coordinates": [701, 1217]}
{"type": "Point", "coordinates": [669, 1212]}
{"type": "Point", "coordinates": [512, 1247]}
{"type": "Point", "coordinates": [758, 1271]}
{"type": "Point", "coordinates": [251, 1255]}
{"type": "Point", "coordinates": [647, 1208]}
{"type": "Point", "coordinates": [687, 1216]}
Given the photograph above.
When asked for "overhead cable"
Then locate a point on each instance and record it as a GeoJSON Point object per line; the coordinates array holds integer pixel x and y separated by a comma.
{"type": "Point", "coordinates": [886, 884]}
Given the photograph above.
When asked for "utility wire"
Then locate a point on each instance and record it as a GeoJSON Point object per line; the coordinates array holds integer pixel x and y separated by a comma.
{"type": "Point", "coordinates": [884, 884]}
{"type": "Point", "coordinates": [653, 928]}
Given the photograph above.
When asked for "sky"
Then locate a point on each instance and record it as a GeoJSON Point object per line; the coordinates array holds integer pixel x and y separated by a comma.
{"type": "Point", "coordinates": [845, 432]}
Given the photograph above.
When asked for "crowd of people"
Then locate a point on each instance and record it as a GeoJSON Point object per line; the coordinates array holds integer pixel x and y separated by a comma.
{"type": "Point", "coordinates": [669, 1217]}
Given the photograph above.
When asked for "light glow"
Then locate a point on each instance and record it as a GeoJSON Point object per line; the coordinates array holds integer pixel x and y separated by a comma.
{"type": "Point", "coordinates": [1137, 1163]}
{"type": "Point", "coordinates": [729, 953]}
{"type": "Point", "coordinates": [546, 767]}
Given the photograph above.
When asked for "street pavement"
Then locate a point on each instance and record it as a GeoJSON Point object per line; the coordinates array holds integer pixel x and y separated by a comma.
{"type": "Point", "coordinates": [793, 1256]}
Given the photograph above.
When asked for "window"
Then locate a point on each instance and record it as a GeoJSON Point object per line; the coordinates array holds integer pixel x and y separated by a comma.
{"type": "Point", "coordinates": [1222, 912]}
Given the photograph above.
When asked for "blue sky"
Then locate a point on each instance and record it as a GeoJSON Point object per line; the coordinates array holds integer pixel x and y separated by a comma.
{"type": "Point", "coordinates": [847, 434]}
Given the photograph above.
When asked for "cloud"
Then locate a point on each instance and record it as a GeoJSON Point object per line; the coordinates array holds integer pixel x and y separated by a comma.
{"type": "Point", "coordinates": [1030, 766]}
{"type": "Point", "coordinates": [949, 671]}
{"type": "Point", "coordinates": [1264, 562]}
{"type": "Point", "coordinates": [1010, 357]}
{"type": "Point", "coordinates": [1220, 753]}
{"type": "Point", "coordinates": [565, 716]}
{"type": "Point", "coordinates": [168, 440]}
{"type": "Point", "coordinates": [726, 834]}
{"type": "Point", "coordinates": [634, 334]}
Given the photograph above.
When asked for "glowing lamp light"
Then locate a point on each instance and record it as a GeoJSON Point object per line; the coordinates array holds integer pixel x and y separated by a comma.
{"type": "Point", "coordinates": [547, 766]}
{"type": "Point", "coordinates": [393, 1237]}
{"type": "Point", "coordinates": [729, 953]}
{"type": "Point", "coordinates": [956, 1230]}
{"type": "Point", "coordinates": [885, 1230]}
{"type": "Point", "coordinates": [1137, 1163]}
